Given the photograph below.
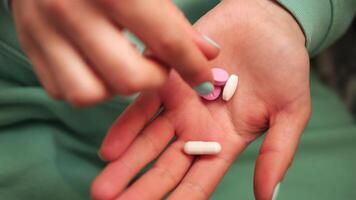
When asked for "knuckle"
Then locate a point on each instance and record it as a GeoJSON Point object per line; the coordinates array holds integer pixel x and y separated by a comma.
{"type": "Point", "coordinates": [171, 45]}
{"type": "Point", "coordinates": [56, 7]}
{"type": "Point", "coordinates": [149, 141]}
{"type": "Point", "coordinates": [27, 22]}
{"type": "Point", "coordinates": [164, 173]}
{"type": "Point", "coordinates": [27, 18]}
{"type": "Point", "coordinates": [268, 150]}
{"type": "Point", "coordinates": [113, 4]}
{"type": "Point", "coordinates": [195, 188]}
{"type": "Point", "coordinates": [127, 85]}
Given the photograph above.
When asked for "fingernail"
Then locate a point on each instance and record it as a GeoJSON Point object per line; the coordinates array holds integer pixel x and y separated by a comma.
{"type": "Point", "coordinates": [204, 88]}
{"type": "Point", "coordinates": [211, 41]}
{"type": "Point", "coordinates": [99, 155]}
{"type": "Point", "coordinates": [276, 191]}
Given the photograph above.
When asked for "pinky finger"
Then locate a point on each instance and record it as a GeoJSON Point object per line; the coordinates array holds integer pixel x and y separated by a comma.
{"type": "Point", "coordinates": [40, 66]}
{"type": "Point", "coordinates": [277, 153]}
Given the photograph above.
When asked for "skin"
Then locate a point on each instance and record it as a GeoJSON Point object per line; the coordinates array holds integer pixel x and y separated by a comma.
{"type": "Point", "coordinates": [80, 54]}
{"type": "Point", "coordinates": [263, 44]}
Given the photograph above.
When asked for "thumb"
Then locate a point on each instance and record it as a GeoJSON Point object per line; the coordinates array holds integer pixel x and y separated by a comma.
{"type": "Point", "coordinates": [277, 152]}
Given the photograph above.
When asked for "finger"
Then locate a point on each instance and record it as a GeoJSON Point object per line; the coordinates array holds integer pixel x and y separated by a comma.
{"type": "Point", "coordinates": [147, 146]}
{"type": "Point", "coordinates": [162, 177]}
{"type": "Point", "coordinates": [41, 68]}
{"type": "Point", "coordinates": [208, 50]}
{"type": "Point", "coordinates": [277, 152]}
{"type": "Point", "coordinates": [207, 171]}
{"type": "Point", "coordinates": [206, 44]}
{"type": "Point", "coordinates": [119, 64]}
{"type": "Point", "coordinates": [77, 81]}
{"type": "Point", "coordinates": [159, 26]}
{"type": "Point", "coordinates": [129, 125]}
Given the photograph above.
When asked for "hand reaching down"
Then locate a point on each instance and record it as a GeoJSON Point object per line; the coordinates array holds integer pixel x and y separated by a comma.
{"type": "Point", "coordinates": [261, 43]}
{"type": "Point", "coordinates": [80, 54]}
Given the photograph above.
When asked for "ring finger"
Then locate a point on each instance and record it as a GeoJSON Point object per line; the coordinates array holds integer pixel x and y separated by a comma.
{"type": "Point", "coordinates": [79, 84]}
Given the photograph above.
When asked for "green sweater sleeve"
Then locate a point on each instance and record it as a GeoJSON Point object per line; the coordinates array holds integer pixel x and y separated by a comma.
{"type": "Point", "coordinates": [323, 21]}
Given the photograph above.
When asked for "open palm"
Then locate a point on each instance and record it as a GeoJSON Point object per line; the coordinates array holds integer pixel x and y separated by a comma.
{"type": "Point", "coordinates": [267, 51]}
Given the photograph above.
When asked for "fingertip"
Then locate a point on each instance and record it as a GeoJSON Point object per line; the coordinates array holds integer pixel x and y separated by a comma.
{"type": "Point", "coordinates": [204, 88]}
{"type": "Point", "coordinates": [87, 93]}
{"type": "Point", "coordinates": [118, 138]}
{"type": "Point", "coordinates": [83, 95]}
{"type": "Point", "coordinates": [106, 154]}
{"type": "Point", "coordinates": [110, 150]}
{"type": "Point", "coordinates": [100, 156]}
{"type": "Point", "coordinates": [207, 45]}
{"type": "Point", "coordinates": [102, 190]}
{"type": "Point", "coordinates": [203, 82]}
{"type": "Point", "coordinates": [276, 191]}
{"type": "Point", "coordinates": [263, 185]}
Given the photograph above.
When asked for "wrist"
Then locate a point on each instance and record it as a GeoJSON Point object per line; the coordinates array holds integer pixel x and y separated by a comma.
{"type": "Point", "coordinates": [266, 13]}
{"type": "Point", "coordinates": [286, 20]}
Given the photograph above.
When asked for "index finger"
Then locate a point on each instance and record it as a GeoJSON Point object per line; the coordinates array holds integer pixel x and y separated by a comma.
{"type": "Point", "coordinates": [170, 36]}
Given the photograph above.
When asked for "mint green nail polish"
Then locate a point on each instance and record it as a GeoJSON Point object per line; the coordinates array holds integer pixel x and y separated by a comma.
{"type": "Point", "coordinates": [99, 155]}
{"type": "Point", "coordinates": [210, 41]}
{"type": "Point", "coordinates": [276, 191]}
{"type": "Point", "coordinates": [204, 88]}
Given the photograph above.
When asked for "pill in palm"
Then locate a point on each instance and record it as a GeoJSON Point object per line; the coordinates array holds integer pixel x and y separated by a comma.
{"type": "Point", "coordinates": [220, 76]}
{"type": "Point", "coordinates": [202, 148]}
{"type": "Point", "coordinates": [214, 94]}
{"type": "Point", "coordinates": [230, 87]}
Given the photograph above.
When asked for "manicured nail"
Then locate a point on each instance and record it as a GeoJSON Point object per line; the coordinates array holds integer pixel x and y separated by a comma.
{"type": "Point", "coordinates": [204, 88]}
{"type": "Point", "coordinates": [99, 155]}
{"type": "Point", "coordinates": [276, 191]}
{"type": "Point", "coordinates": [211, 41]}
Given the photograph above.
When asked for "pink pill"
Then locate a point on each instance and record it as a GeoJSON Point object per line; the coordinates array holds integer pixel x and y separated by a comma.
{"type": "Point", "coordinates": [220, 76]}
{"type": "Point", "coordinates": [214, 94]}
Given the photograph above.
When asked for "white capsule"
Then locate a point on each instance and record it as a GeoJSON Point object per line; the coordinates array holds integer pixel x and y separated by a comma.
{"type": "Point", "coordinates": [230, 87]}
{"type": "Point", "coordinates": [202, 148]}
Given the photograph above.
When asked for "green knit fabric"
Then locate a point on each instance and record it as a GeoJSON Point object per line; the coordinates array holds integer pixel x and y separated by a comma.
{"type": "Point", "coordinates": [323, 21]}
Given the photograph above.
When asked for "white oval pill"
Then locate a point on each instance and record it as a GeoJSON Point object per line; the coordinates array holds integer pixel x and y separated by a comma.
{"type": "Point", "coordinates": [230, 87]}
{"type": "Point", "coordinates": [202, 148]}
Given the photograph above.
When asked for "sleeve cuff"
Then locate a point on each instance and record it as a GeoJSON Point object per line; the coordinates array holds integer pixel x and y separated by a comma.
{"type": "Point", "coordinates": [315, 18]}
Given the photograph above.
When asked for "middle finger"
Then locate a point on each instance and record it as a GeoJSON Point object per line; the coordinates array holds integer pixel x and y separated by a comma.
{"type": "Point", "coordinates": [100, 41]}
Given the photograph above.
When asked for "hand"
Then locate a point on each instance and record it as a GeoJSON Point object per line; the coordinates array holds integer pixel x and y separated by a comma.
{"type": "Point", "coordinates": [264, 45]}
{"type": "Point", "coordinates": [79, 51]}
